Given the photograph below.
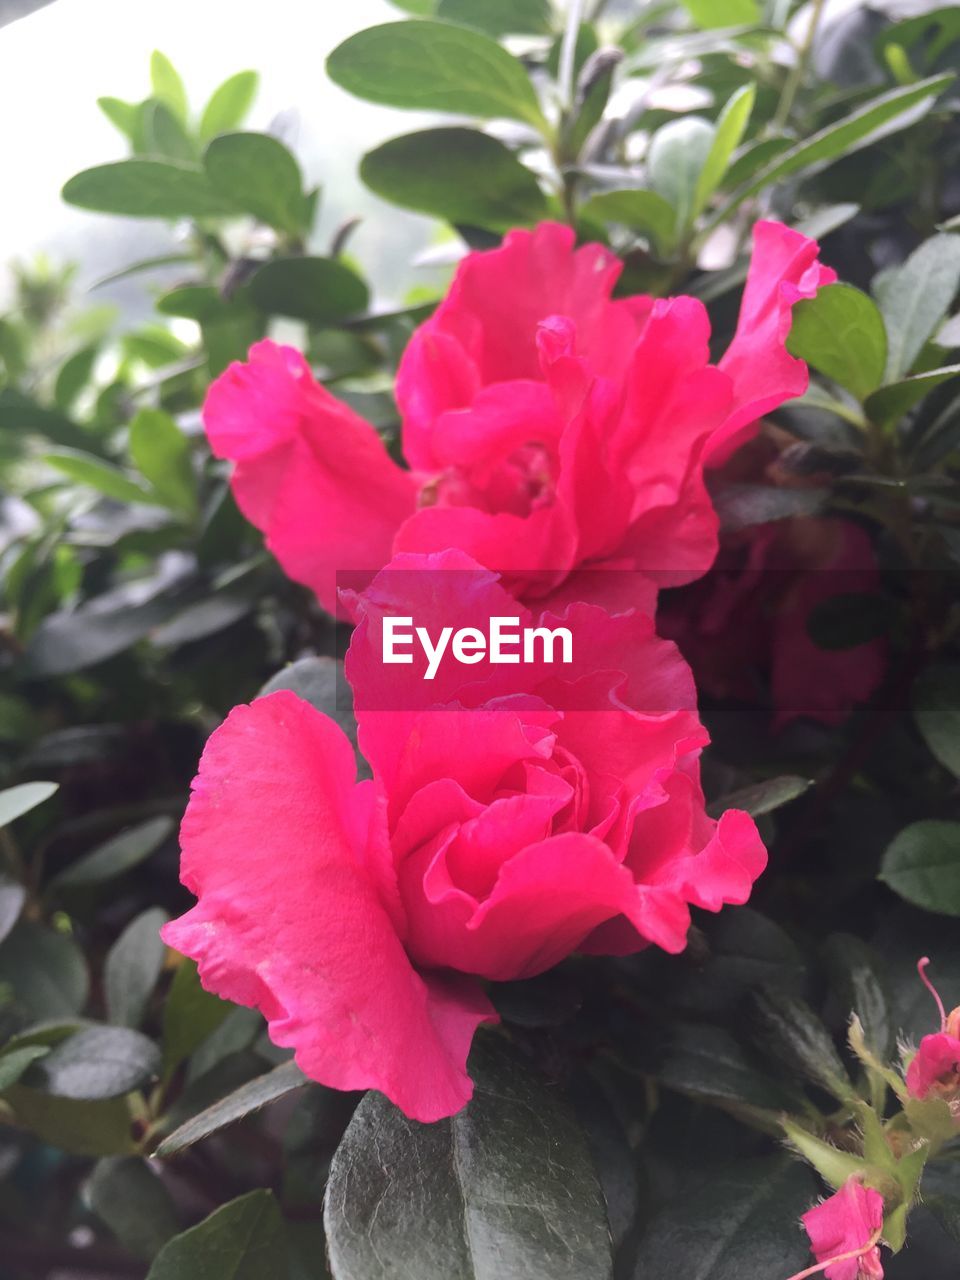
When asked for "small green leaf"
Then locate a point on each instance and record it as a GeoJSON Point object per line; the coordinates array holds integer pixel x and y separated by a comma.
{"type": "Point", "coordinates": [229, 105]}
{"type": "Point", "coordinates": [723, 13]}
{"type": "Point", "coordinates": [841, 333]}
{"type": "Point", "coordinates": [189, 1016]}
{"type": "Point", "coordinates": [915, 297]}
{"type": "Point", "coordinates": [461, 175]}
{"type": "Point", "coordinates": [258, 174]}
{"type": "Point", "coordinates": [14, 1062]}
{"type": "Point", "coordinates": [890, 403]}
{"type": "Point", "coordinates": [167, 85]}
{"type": "Point", "coordinates": [859, 988]}
{"type": "Point", "coordinates": [116, 856]}
{"type": "Point", "coordinates": [132, 967]}
{"type": "Point", "coordinates": [499, 17]}
{"type": "Point", "coordinates": [13, 896]}
{"type": "Point", "coordinates": [74, 375]}
{"type": "Point", "coordinates": [730, 128]}
{"type": "Point", "coordinates": [242, 1240]}
{"type": "Point", "coordinates": [45, 971]}
{"type": "Point", "coordinates": [763, 797]}
{"type": "Point", "coordinates": [16, 801]}
{"type": "Point", "coordinates": [97, 1063]}
{"type": "Point", "coordinates": [248, 1098]}
{"type": "Point", "coordinates": [832, 1164]}
{"type": "Point", "coordinates": [679, 150]}
{"type": "Point", "coordinates": [124, 115]}
{"type": "Point", "coordinates": [922, 865]}
{"type": "Point", "coordinates": [319, 290]}
{"type": "Point", "coordinates": [434, 66]}
{"type": "Point", "coordinates": [161, 453]}
{"type": "Point", "coordinates": [163, 135]}
{"type": "Point", "coordinates": [107, 479]}
{"type": "Point", "coordinates": [642, 211]}
{"type": "Point", "coordinates": [936, 709]}
{"type": "Point", "coordinates": [127, 1196]}
{"type": "Point", "coordinates": [145, 188]}
{"type": "Point", "coordinates": [789, 1029]}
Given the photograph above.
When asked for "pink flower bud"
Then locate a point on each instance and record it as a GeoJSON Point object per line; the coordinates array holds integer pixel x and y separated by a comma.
{"type": "Point", "coordinates": [935, 1069]}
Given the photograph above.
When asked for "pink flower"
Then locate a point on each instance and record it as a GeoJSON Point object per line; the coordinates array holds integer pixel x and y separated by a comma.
{"type": "Point", "coordinates": [548, 425]}
{"type": "Point", "coordinates": [935, 1068]}
{"type": "Point", "coordinates": [512, 818]}
{"type": "Point", "coordinates": [844, 1231]}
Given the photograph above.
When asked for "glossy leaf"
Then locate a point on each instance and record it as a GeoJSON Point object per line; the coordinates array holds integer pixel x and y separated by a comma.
{"type": "Point", "coordinates": [763, 797]}
{"type": "Point", "coordinates": [915, 297]}
{"type": "Point", "coordinates": [146, 188]}
{"type": "Point", "coordinates": [16, 801]}
{"type": "Point", "coordinates": [133, 966]}
{"type": "Point", "coordinates": [97, 1063]}
{"type": "Point", "coordinates": [922, 865]}
{"type": "Point", "coordinates": [189, 1016]}
{"type": "Point", "coordinates": [678, 153]}
{"type": "Point", "coordinates": [117, 855]}
{"type": "Point", "coordinates": [257, 173]}
{"type": "Point", "coordinates": [242, 1102]}
{"type": "Point", "coordinates": [13, 895]}
{"type": "Point", "coordinates": [890, 403]}
{"type": "Point", "coordinates": [730, 128]}
{"type": "Point", "coordinates": [242, 1240]}
{"type": "Point", "coordinates": [841, 333]}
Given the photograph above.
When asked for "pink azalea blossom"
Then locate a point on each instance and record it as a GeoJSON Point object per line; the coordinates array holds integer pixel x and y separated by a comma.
{"type": "Point", "coordinates": [934, 1070]}
{"type": "Point", "coordinates": [844, 1232]}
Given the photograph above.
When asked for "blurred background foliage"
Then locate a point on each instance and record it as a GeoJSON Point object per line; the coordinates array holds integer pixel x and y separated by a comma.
{"type": "Point", "coordinates": [137, 607]}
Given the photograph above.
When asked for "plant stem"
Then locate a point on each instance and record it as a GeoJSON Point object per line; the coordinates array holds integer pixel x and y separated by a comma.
{"type": "Point", "coordinates": [795, 79]}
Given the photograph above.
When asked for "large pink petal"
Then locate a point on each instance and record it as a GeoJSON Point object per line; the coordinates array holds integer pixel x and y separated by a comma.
{"type": "Point", "coordinates": [298, 913]}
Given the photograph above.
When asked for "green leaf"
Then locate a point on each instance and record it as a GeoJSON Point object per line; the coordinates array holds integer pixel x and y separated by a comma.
{"type": "Point", "coordinates": [132, 968]}
{"type": "Point", "coordinates": [70, 640]}
{"type": "Point", "coordinates": [842, 334]}
{"type": "Point", "coordinates": [321, 682]}
{"type": "Point", "coordinates": [458, 174]}
{"type": "Point", "coordinates": [915, 297]}
{"type": "Point", "coordinates": [740, 506]}
{"type": "Point", "coordinates": [16, 801]}
{"type": "Point", "coordinates": [74, 375]}
{"type": "Point", "coordinates": [789, 1029]}
{"type": "Point", "coordinates": [189, 1016]}
{"type": "Point", "coordinates": [832, 1164]}
{"type": "Point", "coordinates": [433, 66]}
{"type": "Point", "coordinates": [80, 1128]}
{"type": "Point", "coordinates": [102, 476]}
{"type": "Point", "coordinates": [890, 403]}
{"type": "Point", "coordinates": [164, 136]}
{"type": "Point", "coordinates": [116, 856]}
{"type": "Point", "coordinates": [642, 211]}
{"type": "Point", "coordinates": [730, 128]}
{"type": "Point", "coordinates": [723, 13]}
{"type": "Point", "coordinates": [505, 1190]}
{"type": "Point", "coordinates": [14, 1062]}
{"type": "Point", "coordinates": [13, 895]}
{"type": "Point", "coordinates": [706, 1063]}
{"type": "Point", "coordinates": [229, 105]}
{"type": "Point", "coordinates": [144, 188]}
{"type": "Point", "coordinates": [499, 17]}
{"type": "Point", "coordinates": [679, 150]}
{"type": "Point", "coordinates": [736, 1223]}
{"type": "Point", "coordinates": [46, 972]}
{"type": "Point", "coordinates": [98, 1063]}
{"type": "Point", "coordinates": [319, 290]}
{"type": "Point", "coordinates": [857, 984]}
{"type": "Point", "coordinates": [762, 797]}
{"type": "Point", "coordinates": [936, 709]}
{"type": "Point", "coordinates": [126, 1195]}
{"type": "Point", "coordinates": [259, 175]}
{"type": "Point", "coordinates": [167, 85]}
{"type": "Point", "coordinates": [922, 865]}
{"type": "Point", "coordinates": [161, 453]}
{"type": "Point", "coordinates": [124, 115]}
{"type": "Point", "coordinates": [248, 1098]}
{"type": "Point", "coordinates": [242, 1240]}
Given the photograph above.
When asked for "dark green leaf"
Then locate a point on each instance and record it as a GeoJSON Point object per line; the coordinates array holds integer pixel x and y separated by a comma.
{"type": "Point", "coordinates": [706, 1062]}
{"type": "Point", "coordinates": [81, 1128]}
{"type": "Point", "coordinates": [133, 966]}
{"type": "Point", "coordinates": [147, 189]}
{"type": "Point", "coordinates": [97, 1063]}
{"type": "Point", "coordinates": [433, 66]}
{"type": "Point", "coordinates": [167, 85]}
{"type": "Point", "coordinates": [723, 13]}
{"type": "Point", "coordinates": [16, 801]}
{"type": "Point", "coordinates": [102, 476]}
{"type": "Point", "coordinates": [859, 988]}
{"type": "Point", "coordinates": [126, 1195]}
{"type": "Point", "coordinates": [936, 709]}
{"type": "Point", "coordinates": [320, 290]}
{"type": "Point", "coordinates": [762, 797]}
{"type": "Point", "coordinates": [458, 174]}
{"type": "Point", "coordinates": [499, 17]}
{"type": "Point", "coordinates": [914, 299]}
{"type": "Point", "coordinates": [642, 211]}
{"type": "Point", "coordinates": [841, 333]}
{"type": "Point", "coordinates": [678, 152]}
{"type": "Point", "coordinates": [189, 1016]}
{"type": "Point", "coordinates": [161, 453]}
{"type": "Point", "coordinates": [14, 1062]}
{"type": "Point", "coordinates": [117, 855]}
{"type": "Point", "coordinates": [730, 128]}
{"type": "Point", "coordinates": [228, 105]}
{"type": "Point", "coordinates": [889, 404]}
{"type": "Point", "coordinates": [505, 1190]}
{"type": "Point", "coordinates": [70, 640]}
{"type": "Point", "coordinates": [790, 1030]}
{"type": "Point", "coordinates": [248, 1098]}
{"type": "Point", "coordinates": [242, 1240]}
{"type": "Point", "coordinates": [259, 175]}
{"type": "Point", "coordinates": [46, 972]}
{"type": "Point", "coordinates": [922, 865]}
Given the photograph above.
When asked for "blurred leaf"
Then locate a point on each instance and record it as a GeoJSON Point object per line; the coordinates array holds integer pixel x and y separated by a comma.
{"type": "Point", "coordinates": [189, 1016]}
{"type": "Point", "coordinates": [642, 211]}
{"type": "Point", "coordinates": [320, 290]}
{"type": "Point", "coordinates": [74, 375]}
{"type": "Point", "coordinates": [503, 1190]}
{"type": "Point", "coordinates": [915, 297]}
{"type": "Point", "coordinates": [73, 639]}
{"type": "Point", "coordinates": [242, 1240]}
{"type": "Point", "coordinates": [321, 682]}
{"type": "Point", "coordinates": [131, 1200]}
{"type": "Point", "coordinates": [433, 66]}
{"type": "Point", "coordinates": [133, 966]}
{"type": "Point", "coordinates": [161, 453]}
{"type": "Point", "coordinates": [229, 105]}
{"type": "Point", "coordinates": [13, 895]}
{"type": "Point", "coordinates": [258, 174]}
{"type": "Point", "coordinates": [730, 128]}
{"type": "Point", "coordinates": [80, 1128]}
{"type": "Point", "coordinates": [164, 136]}
{"type": "Point", "coordinates": [248, 1098]}
{"type": "Point", "coordinates": [762, 797]}
{"type": "Point", "coordinates": [14, 1062]}
{"type": "Point", "coordinates": [678, 153]}
{"type": "Point", "coordinates": [102, 476]}
{"type": "Point", "coordinates": [142, 188]}
{"type": "Point", "coordinates": [16, 801]}
{"type": "Point", "coordinates": [498, 17]}
{"type": "Point", "coordinates": [922, 865]}
{"type": "Point", "coordinates": [116, 856]}
{"type": "Point", "coordinates": [97, 1063]}
{"type": "Point", "coordinates": [890, 403]}
{"type": "Point", "coordinates": [723, 13]}
{"type": "Point", "coordinates": [121, 114]}
{"type": "Point", "coordinates": [740, 506]}
{"type": "Point", "coordinates": [45, 970]}
{"type": "Point", "coordinates": [936, 709]}
{"type": "Point", "coordinates": [841, 333]}
{"type": "Point", "coordinates": [167, 85]}
{"type": "Point", "coordinates": [458, 174]}
{"type": "Point", "coordinates": [735, 1223]}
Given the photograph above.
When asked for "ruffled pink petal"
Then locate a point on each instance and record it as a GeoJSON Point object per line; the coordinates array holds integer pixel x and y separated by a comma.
{"type": "Point", "coordinates": [309, 472]}
{"type": "Point", "coordinates": [299, 913]}
{"type": "Point", "coordinates": [936, 1061]}
{"type": "Point", "coordinates": [845, 1222]}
